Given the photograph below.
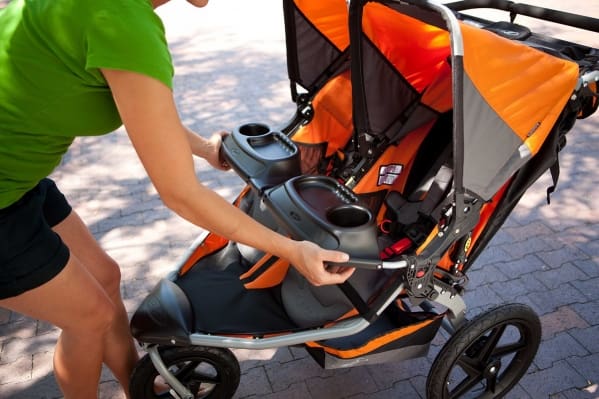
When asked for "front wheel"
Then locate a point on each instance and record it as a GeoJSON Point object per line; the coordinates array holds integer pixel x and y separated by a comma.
{"type": "Point", "coordinates": [487, 356]}
{"type": "Point", "coordinates": [205, 371]}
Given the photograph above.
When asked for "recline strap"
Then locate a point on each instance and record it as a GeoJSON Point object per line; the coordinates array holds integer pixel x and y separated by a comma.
{"type": "Point", "coordinates": [435, 193]}
{"type": "Point", "coordinates": [554, 169]}
{"type": "Point", "coordinates": [354, 297]}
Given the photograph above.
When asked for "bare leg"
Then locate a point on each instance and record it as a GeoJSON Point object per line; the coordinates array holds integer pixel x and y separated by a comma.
{"type": "Point", "coordinates": [84, 300]}
{"type": "Point", "coordinates": [76, 303]}
{"type": "Point", "coordinates": [119, 351]}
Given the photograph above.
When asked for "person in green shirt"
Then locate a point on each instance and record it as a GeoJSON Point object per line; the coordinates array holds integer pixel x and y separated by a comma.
{"type": "Point", "coordinates": [84, 67]}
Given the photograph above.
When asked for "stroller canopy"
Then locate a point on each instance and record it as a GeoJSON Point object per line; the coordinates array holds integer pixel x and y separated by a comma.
{"type": "Point", "coordinates": [317, 39]}
{"type": "Point", "coordinates": [412, 62]}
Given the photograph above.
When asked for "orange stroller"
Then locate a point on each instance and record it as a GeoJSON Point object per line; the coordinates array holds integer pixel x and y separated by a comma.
{"type": "Point", "coordinates": [417, 130]}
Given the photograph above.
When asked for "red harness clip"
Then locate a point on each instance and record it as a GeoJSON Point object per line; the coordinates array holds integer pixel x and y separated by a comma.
{"type": "Point", "coordinates": [396, 248]}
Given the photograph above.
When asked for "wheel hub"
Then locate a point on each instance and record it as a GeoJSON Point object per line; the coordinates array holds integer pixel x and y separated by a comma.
{"type": "Point", "coordinates": [492, 369]}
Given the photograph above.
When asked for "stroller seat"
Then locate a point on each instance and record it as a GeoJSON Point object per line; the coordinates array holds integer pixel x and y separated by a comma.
{"type": "Point", "coordinates": [261, 295]}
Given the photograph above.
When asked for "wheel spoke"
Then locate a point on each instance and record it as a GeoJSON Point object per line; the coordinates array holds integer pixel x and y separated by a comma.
{"type": "Point", "coordinates": [189, 370]}
{"type": "Point", "coordinates": [491, 383]}
{"type": "Point", "coordinates": [465, 385]}
{"type": "Point", "coordinates": [474, 376]}
{"type": "Point", "coordinates": [203, 378]}
{"type": "Point", "coordinates": [491, 343]}
{"type": "Point", "coordinates": [504, 350]}
{"type": "Point", "coordinates": [469, 365]}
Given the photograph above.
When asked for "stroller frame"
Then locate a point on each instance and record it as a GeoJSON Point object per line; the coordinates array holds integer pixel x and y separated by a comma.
{"type": "Point", "coordinates": [413, 275]}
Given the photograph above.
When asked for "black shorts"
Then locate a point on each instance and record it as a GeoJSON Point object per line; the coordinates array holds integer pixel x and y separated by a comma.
{"type": "Point", "coordinates": [31, 253]}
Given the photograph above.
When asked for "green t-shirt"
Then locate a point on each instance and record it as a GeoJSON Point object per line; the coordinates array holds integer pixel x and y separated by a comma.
{"type": "Point", "coordinates": [51, 89]}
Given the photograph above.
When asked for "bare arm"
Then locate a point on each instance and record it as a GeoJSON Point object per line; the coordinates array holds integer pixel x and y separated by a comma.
{"type": "Point", "coordinates": [165, 148]}
{"type": "Point", "coordinates": [208, 148]}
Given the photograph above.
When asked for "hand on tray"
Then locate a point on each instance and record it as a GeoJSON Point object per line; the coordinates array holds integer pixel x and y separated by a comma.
{"type": "Point", "coordinates": [311, 261]}
{"type": "Point", "coordinates": [215, 156]}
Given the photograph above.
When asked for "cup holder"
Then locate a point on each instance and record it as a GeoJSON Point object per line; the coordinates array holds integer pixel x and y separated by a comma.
{"type": "Point", "coordinates": [348, 216]}
{"type": "Point", "coordinates": [322, 210]}
{"type": "Point", "coordinates": [253, 129]}
{"type": "Point", "coordinates": [261, 156]}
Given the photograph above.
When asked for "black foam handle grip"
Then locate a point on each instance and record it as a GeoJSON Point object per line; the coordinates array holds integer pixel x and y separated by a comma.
{"type": "Point", "coordinates": [360, 263]}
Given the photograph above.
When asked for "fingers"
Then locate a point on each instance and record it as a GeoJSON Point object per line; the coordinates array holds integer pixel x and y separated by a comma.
{"type": "Point", "coordinates": [198, 3]}
{"type": "Point", "coordinates": [341, 274]}
{"type": "Point", "coordinates": [323, 270]}
{"type": "Point", "coordinates": [223, 164]}
{"type": "Point", "coordinates": [336, 256]}
{"type": "Point", "coordinates": [217, 141]}
{"type": "Point", "coordinates": [327, 277]}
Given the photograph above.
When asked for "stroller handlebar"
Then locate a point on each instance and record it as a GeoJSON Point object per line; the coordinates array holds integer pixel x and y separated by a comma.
{"type": "Point", "coordinates": [372, 264]}
{"type": "Point", "coordinates": [545, 14]}
{"type": "Point", "coordinates": [360, 263]}
{"type": "Point", "coordinates": [394, 265]}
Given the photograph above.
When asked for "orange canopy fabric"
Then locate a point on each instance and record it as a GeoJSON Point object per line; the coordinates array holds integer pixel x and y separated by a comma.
{"type": "Point", "coordinates": [329, 17]}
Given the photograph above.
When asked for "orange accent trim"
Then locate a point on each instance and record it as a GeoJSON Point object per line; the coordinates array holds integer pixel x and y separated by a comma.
{"type": "Point", "coordinates": [211, 244]}
{"type": "Point", "coordinates": [274, 275]}
{"type": "Point", "coordinates": [242, 194]}
{"type": "Point", "coordinates": [487, 212]}
{"type": "Point", "coordinates": [428, 240]}
{"type": "Point", "coordinates": [375, 343]}
{"type": "Point", "coordinates": [256, 266]}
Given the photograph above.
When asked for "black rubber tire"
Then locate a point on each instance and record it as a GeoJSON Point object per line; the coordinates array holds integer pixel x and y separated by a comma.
{"type": "Point", "coordinates": [477, 349]}
{"type": "Point", "coordinates": [218, 379]}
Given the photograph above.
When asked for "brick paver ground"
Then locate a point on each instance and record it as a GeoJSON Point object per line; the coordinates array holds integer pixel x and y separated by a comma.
{"type": "Point", "coordinates": [230, 61]}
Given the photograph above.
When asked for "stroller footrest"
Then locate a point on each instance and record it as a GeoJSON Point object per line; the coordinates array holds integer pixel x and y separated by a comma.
{"type": "Point", "coordinates": [330, 362]}
{"type": "Point", "coordinates": [388, 337]}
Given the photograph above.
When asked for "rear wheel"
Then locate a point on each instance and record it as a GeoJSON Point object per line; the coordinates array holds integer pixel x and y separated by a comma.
{"type": "Point", "coordinates": [487, 356]}
{"type": "Point", "coordinates": [207, 372]}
